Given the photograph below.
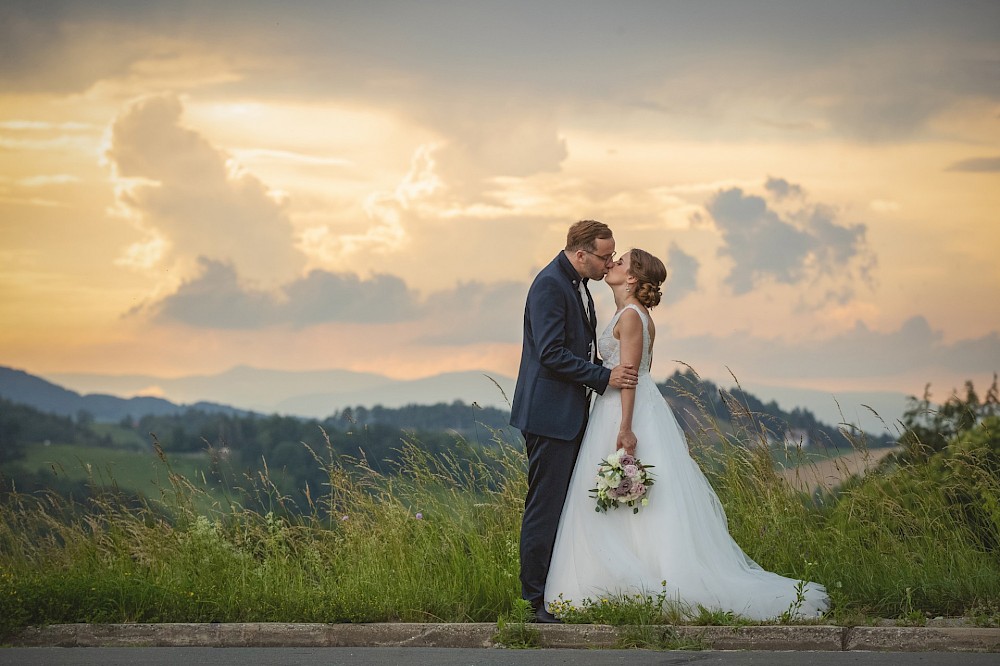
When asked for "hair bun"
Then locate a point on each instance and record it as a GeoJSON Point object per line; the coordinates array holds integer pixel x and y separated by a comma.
{"type": "Point", "coordinates": [650, 273]}
{"type": "Point", "coordinates": [649, 294]}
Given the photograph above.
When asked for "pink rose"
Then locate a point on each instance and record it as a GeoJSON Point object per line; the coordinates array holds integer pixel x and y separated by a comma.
{"type": "Point", "coordinates": [631, 471]}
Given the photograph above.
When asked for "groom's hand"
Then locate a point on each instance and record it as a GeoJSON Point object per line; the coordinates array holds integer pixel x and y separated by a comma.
{"type": "Point", "coordinates": [623, 376]}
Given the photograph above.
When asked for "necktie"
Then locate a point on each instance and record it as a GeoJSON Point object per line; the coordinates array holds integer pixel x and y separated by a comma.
{"type": "Point", "coordinates": [585, 299]}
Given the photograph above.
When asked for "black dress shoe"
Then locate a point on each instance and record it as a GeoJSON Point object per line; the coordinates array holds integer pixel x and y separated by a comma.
{"type": "Point", "coordinates": [542, 616]}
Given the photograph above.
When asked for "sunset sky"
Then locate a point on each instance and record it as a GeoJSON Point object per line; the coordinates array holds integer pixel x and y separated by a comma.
{"type": "Point", "coordinates": [190, 186]}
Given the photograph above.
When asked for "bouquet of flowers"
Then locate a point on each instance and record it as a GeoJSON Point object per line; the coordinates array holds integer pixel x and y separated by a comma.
{"type": "Point", "coordinates": [622, 479]}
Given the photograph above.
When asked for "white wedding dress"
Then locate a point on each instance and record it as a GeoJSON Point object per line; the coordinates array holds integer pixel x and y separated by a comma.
{"type": "Point", "coordinates": [681, 537]}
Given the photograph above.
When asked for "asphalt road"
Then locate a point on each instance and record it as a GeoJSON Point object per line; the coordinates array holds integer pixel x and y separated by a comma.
{"type": "Point", "coordinates": [467, 657]}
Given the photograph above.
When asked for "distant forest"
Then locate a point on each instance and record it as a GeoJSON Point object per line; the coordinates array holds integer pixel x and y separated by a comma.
{"type": "Point", "coordinates": [697, 401]}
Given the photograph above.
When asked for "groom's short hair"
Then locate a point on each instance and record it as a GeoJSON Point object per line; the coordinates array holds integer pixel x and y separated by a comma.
{"type": "Point", "coordinates": [583, 234]}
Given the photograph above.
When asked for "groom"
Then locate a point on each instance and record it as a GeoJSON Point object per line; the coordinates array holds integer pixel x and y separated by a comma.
{"type": "Point", "coordinates": [559, 369]}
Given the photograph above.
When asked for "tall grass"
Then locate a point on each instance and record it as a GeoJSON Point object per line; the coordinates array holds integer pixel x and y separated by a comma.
{"type": "Point", "coordinates": [889, 544]}
{"type": "Point", "coordinates": [437, 540]}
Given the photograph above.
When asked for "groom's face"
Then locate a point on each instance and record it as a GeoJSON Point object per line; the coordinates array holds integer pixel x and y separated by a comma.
{"type": "Point", "coordinates": [599, 261]}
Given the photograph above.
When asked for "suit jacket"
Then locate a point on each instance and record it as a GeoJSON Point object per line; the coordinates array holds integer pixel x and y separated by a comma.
{"type": "Point", "coordinates": [550, 398]}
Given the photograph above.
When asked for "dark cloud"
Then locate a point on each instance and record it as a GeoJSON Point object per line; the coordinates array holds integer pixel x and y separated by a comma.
{"type": "Point", "coordinates": [42, 50]}
{"type": "Point", "coordinates": [974, 355]}
{"type": "Point", "coordinates": [218, 299]}
{"type": "Point", "coordinates": [469, 313]}
{"type": "Point", "coordinates": [789, 248]}
{"type": "Point", "coordinates": [682, 274]}
{"type": "Point", "coordinates": [876, 71]}
{"type": "Point", "coordinates": [887, 105]}
{"type": "Point", "coordinates": [760, 243]}
{"type": "Point", "coordinates": [977, 165]}
{"type": "Point", "coordinates": [475, 312]}
{"type": "Point", "coordinates": [837, 245]}
{"type": "Point", "coordinates": [322, 296]}
{"type": "Point", "coordinates": [781, 188]}
{"type": "Point", "coordinates": [861, 353]}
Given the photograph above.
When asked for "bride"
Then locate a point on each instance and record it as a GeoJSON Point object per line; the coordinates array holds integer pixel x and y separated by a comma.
{"type": "Point", "coordinates": [681, 536]}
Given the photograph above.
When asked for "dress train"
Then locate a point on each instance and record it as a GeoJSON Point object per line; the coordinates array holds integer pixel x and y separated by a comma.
{"type": "Point", "coordinates": [679, 543]}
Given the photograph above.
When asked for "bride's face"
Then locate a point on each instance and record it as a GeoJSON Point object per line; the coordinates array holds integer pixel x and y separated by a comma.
{"type": "Point", "coordinates": [618, 273]}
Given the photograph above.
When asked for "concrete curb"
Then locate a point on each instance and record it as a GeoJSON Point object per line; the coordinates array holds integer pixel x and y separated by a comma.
{"type": "Point", "coordinates": [481, 635]}
{"type": "Point", "coordinates": [938, 639]}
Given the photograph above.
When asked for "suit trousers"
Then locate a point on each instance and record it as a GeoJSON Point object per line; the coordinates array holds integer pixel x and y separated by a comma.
{"type": "Point", "coordinates": [550, 468]}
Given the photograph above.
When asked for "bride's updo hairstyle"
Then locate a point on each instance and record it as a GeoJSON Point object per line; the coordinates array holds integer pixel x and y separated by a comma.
{"type": "Point", "coordinates": [649, 273]}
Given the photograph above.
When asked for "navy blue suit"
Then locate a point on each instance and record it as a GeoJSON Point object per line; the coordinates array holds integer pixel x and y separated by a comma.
{"type": "Point", "coordinates": [550, 408]}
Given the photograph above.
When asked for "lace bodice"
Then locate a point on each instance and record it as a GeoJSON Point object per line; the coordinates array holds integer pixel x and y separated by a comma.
{"type": "Point", "coordinates": [610, 349]}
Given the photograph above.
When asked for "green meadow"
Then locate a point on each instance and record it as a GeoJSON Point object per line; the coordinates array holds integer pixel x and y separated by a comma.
{"type": "Point", "coordinates": [128, 470]}
{"type": "Point", "coordinates": [139, 471]}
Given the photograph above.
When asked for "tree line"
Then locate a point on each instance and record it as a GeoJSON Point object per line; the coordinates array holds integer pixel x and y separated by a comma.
{"type": "Point", "coordinates": [241, 446]}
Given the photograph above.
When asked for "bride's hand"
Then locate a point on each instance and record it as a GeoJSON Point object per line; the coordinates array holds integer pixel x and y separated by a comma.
{"type": "Point", "coordinates": [627, 441]}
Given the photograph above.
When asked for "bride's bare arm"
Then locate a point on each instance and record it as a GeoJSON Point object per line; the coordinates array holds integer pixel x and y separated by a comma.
{"type": "Point", "coordinates": [629, 334]}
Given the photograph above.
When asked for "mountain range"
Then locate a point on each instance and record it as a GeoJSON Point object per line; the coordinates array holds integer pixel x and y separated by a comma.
{"type": "Point", "coordinates": [26, 389]}
{"type": "Point", "coordinates": [311, 394]}
{"type": "Point", "coordinates": [320, 393]}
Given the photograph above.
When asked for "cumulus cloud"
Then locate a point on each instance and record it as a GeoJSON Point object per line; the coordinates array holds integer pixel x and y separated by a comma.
{"type": "Point", "coordinates": [387, 210]}
{"type": "Point", "coordinates": [191, 201]}
{"type": "Point", "coordinates": [682, 271]}
{"type": "Point", "coordinates": [488, 143]}
{"type": "Point", "coordinates": [389, 215]}
{"type": "Point", "coordinates": [217, 298]}
{"type": "Point", "coordinates": [796, 247]}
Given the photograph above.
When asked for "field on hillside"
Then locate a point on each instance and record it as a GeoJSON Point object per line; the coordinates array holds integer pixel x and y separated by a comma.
{"type": "Point", "coordinates": [829, 473]}
{"type": "Point", "coordinates": [139, 472]}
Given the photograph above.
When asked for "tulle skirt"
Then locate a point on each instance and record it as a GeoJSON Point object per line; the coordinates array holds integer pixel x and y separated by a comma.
{"type": "Point", "coordinates": [681, 537]}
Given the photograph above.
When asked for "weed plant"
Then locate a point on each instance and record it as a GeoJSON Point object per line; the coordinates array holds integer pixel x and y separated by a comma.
{"type": "Point", "coordinates": [436, 540]}
{"type": "Point", "coordinates": [514, 629]}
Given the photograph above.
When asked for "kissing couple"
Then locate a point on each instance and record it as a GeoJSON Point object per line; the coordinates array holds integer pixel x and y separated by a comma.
{"type": "Point", "coordinates": [571, 554]}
